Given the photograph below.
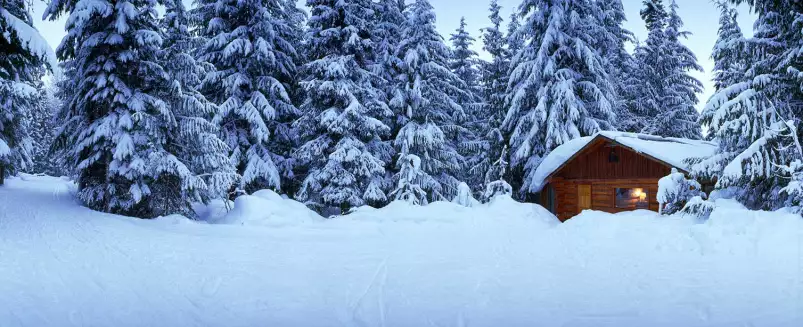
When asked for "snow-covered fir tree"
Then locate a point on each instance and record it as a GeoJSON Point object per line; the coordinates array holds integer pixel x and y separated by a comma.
{"type": "Point", "coordinates": [677, 89]}
{"type": "Point", "coordinates": [24, 58]}
{"type": "Point", "coordinates": [115, 125]}
{"type": "Point", "coordinates": [465, 64]}
{"type": "Point", "coordinates": [345, 152]}
{"type": "Point", "coordinates": [426, 96]}
{"type": "Point", "coordinates": [514, 39]}
{"type": "Point", "coordinates": [495, 184]}
{"type": "Point", "coordinates": [252, 46]}
{"type": "Point", "coordinates": [464, 61]}
{"type": "Point", "coordinates": [411, 181]}
{"type": "Point", "coordinates": [195, 140]}
{"type": "Point", "coordinates": [390, 19]}
{"type": "Point", "coordinates": [42, 130]}
{"type": "Point", "coordinates": [618, 60]}
{"type": "Point", "coordinates": [561, 89]}
{"type": "Point", "coordinates": [729, 49]}
{"type": "Point", "coordinates": [494, 74]}
{"type": "Point", "coordinates": [754, 119]}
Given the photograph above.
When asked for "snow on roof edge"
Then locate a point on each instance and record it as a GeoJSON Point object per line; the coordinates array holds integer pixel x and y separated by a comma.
{"type": "Point", "coordinates": [673, 152]}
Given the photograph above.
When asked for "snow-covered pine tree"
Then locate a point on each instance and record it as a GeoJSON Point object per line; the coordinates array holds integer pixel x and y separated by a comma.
{"type": "Point", "coordinates": [42, 130]}
{"type": "Point", "coordinates": [344, 153]}
{"type": "Point", "coordinates": [643, 86]}
{"type": "Point", "coordinates": [753, 119]}
{"type": "Point", "coordinates": [677, 115]}
{"type": "Point", "coordinates": [514, 39]}
{"type": "Point", "coordinates": [495, 184]}
{"type": "Point", "coordinates": [728, 50]}
{"type": "Point", "coordinates": [114, 126]}
{"type": "Point", "coordinates": [638, 96]}
{"type": "Point", "coordinates": [195, 140]}
{"type": "Point", "coordinates": [561, 89]}
{"type": "Point", "coordinates": [251, 43]}
{"type": "Point", "coordinates": [411, 181]}
{"type": "Point", "coordinates": [24, 58]}
{"type": "Point", "coordinates": [426, 97]}
{"type": "Point", "coordinates": [465, 63]}
{"type": "Point", "coordinates": [494, 75]}
{"type": "Point", "coordinates": [387, 34]}
{"type": "Point", "coordinates": [617, 59]}
{"type": "Point", "coordinates": [729, 63]}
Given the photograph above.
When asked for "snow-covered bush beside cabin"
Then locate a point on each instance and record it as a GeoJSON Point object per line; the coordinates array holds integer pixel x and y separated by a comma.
{"type": "Point", "coordinates": [675, 190]}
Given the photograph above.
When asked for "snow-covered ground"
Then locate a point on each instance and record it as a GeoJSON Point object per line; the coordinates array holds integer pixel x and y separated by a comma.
{"type": "Point", "coordinates": [271, 262]}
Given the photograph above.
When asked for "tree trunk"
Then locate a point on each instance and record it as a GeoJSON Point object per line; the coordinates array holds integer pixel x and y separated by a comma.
{"type": "Point", "coordinates": [2, 173]}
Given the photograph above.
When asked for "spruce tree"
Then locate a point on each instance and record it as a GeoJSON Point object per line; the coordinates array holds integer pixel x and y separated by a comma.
{"type": "Point", "coordinates": [252, 46]}
{"type": "Point", "coordinates": [390, 20]}
{"type": "Point", "coordinates": [24, 58]}
{"type": "Point", "coordinates": [561, 87]}
{"type": "Point", "coordinates": [469, 142]}
{"type": "Point", "coordinates": [195, 140]}
{"type": "Point", "coordinates": [494, 87]}
{"type": "Point", "coordinates": [754, 119]}
{"type": "Point", "coordinates": [464, 61]}
{"type": "Point", "coordinates": [618, 60]}
{"type": "Point", "coordinates": [115, 124]}
{"type": "Point", "coordinates": [426, 97]}
{"type": "Point", "coordinates": [677, 115]}
{"type": "Point", "coordinates": [344, 153]}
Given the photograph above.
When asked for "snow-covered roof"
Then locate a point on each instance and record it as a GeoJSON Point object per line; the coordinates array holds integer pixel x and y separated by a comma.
{"type": "Point", "coordinates": [672, 151]}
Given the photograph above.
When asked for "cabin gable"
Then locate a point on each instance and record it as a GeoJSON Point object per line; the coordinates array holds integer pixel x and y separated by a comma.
{"type": "Point", "coordinates": [604, 159]}
{"type": "Point", "coordinates": [590, 180]}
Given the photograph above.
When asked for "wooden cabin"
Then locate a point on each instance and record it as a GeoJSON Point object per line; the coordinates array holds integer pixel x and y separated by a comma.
{"type": "Point", "coordinates": [611, 172]}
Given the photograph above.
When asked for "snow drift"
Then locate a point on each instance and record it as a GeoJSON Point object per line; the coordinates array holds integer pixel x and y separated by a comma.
{"type": "Point", "coordinates": [503, 264]}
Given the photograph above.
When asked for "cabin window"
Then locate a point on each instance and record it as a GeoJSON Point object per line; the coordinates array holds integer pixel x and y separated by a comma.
{"type": "Point", "coordinates": [632, 198]}
{"type": "Point", "coordinates": [613, 156]}
{"type": "Point", "coordinates": [550, 198]}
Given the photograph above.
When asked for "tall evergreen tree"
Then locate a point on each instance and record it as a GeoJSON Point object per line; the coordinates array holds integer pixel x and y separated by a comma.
{"type": "Point", "coordinates": [494, 87]}
{"type": "Point", "coordinates": [115, 124]}
{"type": "Point", "coordinates": [755, 119]}
{"type": "Point", "coordinates": [390, 20]}
{"type": "Point", "coordinates": [252, 46]}
{"type": "Point", "coordinates": [618, 60]}
{"type": "Point", "coordinates": [677, 115]}
{"type": "Point", "coordinates": [561, 87]}
{"type": "Point", "coordinates": [23, 59]}
{"type": "Point", "coordinates": [426, 97]}
{"type": "Point", "coordinates": [464, 60]}
{"type": "Point", "coordinates": [728, 50]}
{"type": "Point", "coordinates": [343, 113]}
{"type": "Point", "coordinates": [465, 64]}
{"type": "Point", "coordinates": [195, 139]}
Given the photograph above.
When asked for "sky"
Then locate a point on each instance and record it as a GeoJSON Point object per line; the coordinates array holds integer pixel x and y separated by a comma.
{"type": "Point", "coordinates": [701, 18]}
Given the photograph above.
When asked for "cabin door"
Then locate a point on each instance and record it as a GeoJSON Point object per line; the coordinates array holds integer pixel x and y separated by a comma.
{"type": "Point", "coordinates": [583, 197]}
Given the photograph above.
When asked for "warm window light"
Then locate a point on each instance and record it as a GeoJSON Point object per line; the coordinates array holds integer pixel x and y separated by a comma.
{"type": "Point", "coordinates": [631, 198]}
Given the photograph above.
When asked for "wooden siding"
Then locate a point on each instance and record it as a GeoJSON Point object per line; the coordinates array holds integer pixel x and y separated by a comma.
{"type": "Point", "coordinates": [592, 167]}
{"type": "Point", "coordinates": [593, 163]}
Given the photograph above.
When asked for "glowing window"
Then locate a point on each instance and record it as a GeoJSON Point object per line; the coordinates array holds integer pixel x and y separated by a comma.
{"type": "Point", "coordinates": [632, 198]}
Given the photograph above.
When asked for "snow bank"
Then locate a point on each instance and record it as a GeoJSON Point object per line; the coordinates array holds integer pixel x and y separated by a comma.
{"type": "Point", "coordinates": [267, 208]}
{"type": "Point", "coordinates": [498, 264]}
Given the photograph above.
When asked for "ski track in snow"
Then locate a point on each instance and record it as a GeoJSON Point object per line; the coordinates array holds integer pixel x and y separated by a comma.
{"type": "Point", "coordinates": [64, 265]}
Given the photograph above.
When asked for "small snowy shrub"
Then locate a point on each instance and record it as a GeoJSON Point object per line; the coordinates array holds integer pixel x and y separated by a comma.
{"type": "Point", "coordinates": [464, 197]}
{"type": "Point", "coordinates": [410, 179]}
{"type": "Point", "coordinates": [675, 190]}
{"type": "Point", "coordinates": [496, 188]}
{"type": "Point", "coordinates": [698, 207]}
